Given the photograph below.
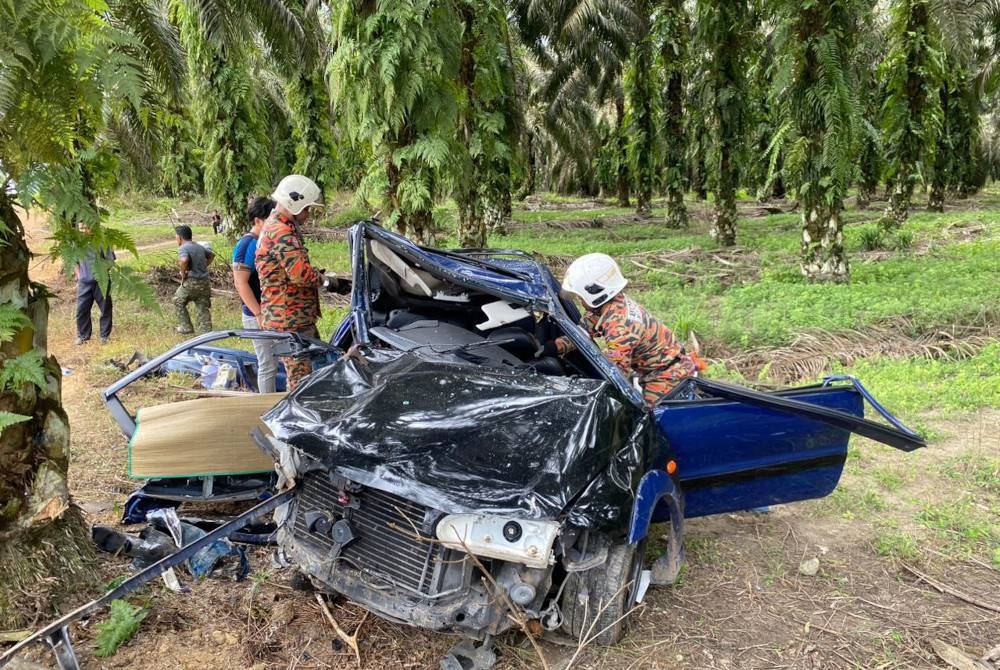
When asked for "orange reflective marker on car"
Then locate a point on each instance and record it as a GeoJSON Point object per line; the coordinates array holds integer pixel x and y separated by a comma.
{"type": "Point", "coordinates": [671, 467]}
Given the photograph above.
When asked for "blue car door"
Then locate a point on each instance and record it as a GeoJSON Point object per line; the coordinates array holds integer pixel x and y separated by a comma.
{"type": "Point", "coordinates": [738, 449]}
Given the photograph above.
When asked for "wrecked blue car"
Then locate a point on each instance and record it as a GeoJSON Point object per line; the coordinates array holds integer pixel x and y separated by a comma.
{"type": "Point", "coordinates": [444, 474]}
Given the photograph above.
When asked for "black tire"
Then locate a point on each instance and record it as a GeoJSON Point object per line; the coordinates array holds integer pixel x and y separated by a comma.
{"type": "Point", "coordinates": [607, 592]}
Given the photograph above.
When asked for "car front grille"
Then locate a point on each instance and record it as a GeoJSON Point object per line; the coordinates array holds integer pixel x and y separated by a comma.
{"type": "Point", "coordinates": [385, 526]}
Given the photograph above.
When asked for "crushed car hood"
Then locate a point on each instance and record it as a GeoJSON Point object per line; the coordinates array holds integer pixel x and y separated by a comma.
{"type": "Point", "coordinates": [460, 437]}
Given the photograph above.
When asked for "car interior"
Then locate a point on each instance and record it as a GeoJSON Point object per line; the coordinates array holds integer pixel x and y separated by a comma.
{"type": "Point", "coordinates": [411, 308]}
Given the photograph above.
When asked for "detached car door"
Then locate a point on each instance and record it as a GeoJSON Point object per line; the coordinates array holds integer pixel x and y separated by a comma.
{"type": "Point", "coordinates": [738, 449]}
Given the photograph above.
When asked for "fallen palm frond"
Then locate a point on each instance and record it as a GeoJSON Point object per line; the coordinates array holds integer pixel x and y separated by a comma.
{"type": "Point", "coordinates": [690, 265]}
{"type": "Point", "coordinates": [694, 264]}
{"type": "Point", "coordinates": [323, 234]}
{"type": "Point", "coordinates": [816, 351]}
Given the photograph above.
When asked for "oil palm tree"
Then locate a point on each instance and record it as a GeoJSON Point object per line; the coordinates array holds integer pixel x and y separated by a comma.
{"type": "Point", "coordinates": [722, 32]}
{"type": "Point", "coordinates": [911, 114]}
{"type": "Point", "coordinates": [392, 76]}
{"type": "Point", "coordinates": [218, 37]}
{"type": "Point", "coordinates": [814, 94]}
{"type": "Point", "coordinates": [62, 64]}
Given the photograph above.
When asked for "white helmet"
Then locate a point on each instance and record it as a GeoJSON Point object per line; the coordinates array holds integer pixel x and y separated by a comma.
{"type": "Point", "coordinates": [595, 278]}
{"type": "Point", "coordinates": [295, 192]}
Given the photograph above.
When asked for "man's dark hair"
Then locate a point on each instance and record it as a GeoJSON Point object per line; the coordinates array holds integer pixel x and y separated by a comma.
{"type": "Point", "coordinates": [184, 232]}
{"type": "Point", "coordinates": [260, 208]}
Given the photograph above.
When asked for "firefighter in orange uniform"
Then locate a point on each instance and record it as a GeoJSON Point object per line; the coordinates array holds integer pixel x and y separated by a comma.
{"type": "Point", "coordinates": [634, 340]}
{"type": "Point", "coordinates": [289, 283]}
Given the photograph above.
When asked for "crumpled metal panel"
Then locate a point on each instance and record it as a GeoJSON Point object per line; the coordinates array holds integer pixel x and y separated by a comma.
{"type": "Point", "coordinates": [460, 437]}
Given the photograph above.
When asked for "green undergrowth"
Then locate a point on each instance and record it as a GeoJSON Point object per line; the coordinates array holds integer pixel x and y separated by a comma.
{"type": "Point", "coordinates": [955, 284]}
{"type": "Point", "coordinates": [915, 385]}
{"type": "Point", "coordinates": [964, 526]}
{"type": "Point", "coordinates": [121, 626]}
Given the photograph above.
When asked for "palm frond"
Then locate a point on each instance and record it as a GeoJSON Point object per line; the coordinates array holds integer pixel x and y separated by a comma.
{"type": "Point", "coordinates": [280, 27]}
{"type": "Point", "coordinates": [161, 48]}
{"type": "Point", "coordinates": [957, 21]}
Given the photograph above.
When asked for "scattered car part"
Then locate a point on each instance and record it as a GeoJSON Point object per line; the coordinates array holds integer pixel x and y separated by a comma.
{"type": "Point", "coordinates": [467, 656]}
{"type": "Point", "coordinates": [56, 634]}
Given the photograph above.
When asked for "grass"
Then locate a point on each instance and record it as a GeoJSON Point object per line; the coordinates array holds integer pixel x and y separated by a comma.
{"type": "Point", "coordinates": [948, 284]}
{"type": "Point", "coordinates": [963, 523]}
{"type": "Point", "coordinates": [121, 626]}
{"type": "Point", "coordinates": [892, 542]}
{"type": "Point", "coordinates": [977, 469]}
{"type": "Point", "coordinates": [911, 386]}
{"type": "Point", "coordinates": [850, 502]}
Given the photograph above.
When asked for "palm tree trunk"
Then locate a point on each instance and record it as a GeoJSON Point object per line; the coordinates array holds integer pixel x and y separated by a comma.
{"type": "Point", "coordinates": [312, 128]}
{"type": "Point", "coordinates": [823, 256]}
{"type": "Point", "coordinates": [898, 209]}
{"type": "Point", "coordinates": [528, 188]}
{"type": "Point", "coordinates": [471, 227]}
{"type": "Point", "coordinates": [723, 229]}
{"type": "Point", "coordinates": [935, 200]}
{"type": "Point", "coordinates": [674, 57]}
{"type": "Point", "coordinates": [677, 214]}
{"type": "Point", "coordinates": [393, 180]}
{"type": "Point", "coordinates": [497, 212]}
{"type": "Point", "coordinates": [864, 199]}
{"type": "Point", "coordinates": [622, 176]}
{"type": "Point", "coordinates": [642, 108]}
{"type": "Point", "coordinates": [44, 545]}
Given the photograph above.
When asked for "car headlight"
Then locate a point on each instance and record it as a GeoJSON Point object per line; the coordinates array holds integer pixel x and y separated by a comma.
{"type": "Point", "coordinates": [516, 540]}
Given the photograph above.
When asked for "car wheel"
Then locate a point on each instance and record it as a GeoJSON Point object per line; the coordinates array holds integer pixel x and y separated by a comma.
{"type": "Point", "coordinates": [595, 602]}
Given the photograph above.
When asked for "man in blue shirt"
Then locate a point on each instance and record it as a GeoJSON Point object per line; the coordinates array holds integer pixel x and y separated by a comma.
{"type": "Point", "coordinates": [88, 291]}
{"type": "Point", "coordinates": [247, 283]}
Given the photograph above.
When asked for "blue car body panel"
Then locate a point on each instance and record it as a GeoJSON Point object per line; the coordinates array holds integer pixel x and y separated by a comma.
{"type": "Point", "coordinates": [733, 456]}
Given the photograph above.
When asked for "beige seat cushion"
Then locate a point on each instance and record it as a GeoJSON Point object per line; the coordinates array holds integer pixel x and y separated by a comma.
{"type": "Point", "coordinates": [206, 436]}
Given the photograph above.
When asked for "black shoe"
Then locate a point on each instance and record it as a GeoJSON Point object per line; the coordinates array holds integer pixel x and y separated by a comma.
{"type": "Point", "coordinates": [104, 340]}
{"type": "Point", "coordinates": [81, 340]}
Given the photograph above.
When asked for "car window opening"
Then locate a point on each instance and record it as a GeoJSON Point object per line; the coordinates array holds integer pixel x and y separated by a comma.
{"type": "Point", "coordinates": [424, 310]}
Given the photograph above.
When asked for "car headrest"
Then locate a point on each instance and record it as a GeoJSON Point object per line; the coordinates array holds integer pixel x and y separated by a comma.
{"type": "Point", "coordinates": [517, 341]}
{"type": "Point", "coordinates": [550, 365]}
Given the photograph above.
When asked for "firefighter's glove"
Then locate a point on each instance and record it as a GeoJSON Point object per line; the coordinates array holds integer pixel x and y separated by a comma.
{"type": "Point", "coordinates": [336, 285]}
{"type": "Point", "coordinates": [547, 350]}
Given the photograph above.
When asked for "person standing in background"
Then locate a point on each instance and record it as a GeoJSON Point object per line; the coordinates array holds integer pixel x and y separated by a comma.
{"type": "Point", "coordinates": [247, 283]}
{"type": "Point", "coordinates": [88, 291]}
{"type": "Point", "coordinates": [289, 282]}
{"type": "Point", "coordinates": [195, 287]}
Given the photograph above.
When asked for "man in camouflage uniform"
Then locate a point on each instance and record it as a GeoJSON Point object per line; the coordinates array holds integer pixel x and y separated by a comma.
{"type": "Point", "coordinates": [195, 287]}
{"type": "Point", "coordinates": [289, 284]}
{"type": "Point", "coordinates": [634, 340]}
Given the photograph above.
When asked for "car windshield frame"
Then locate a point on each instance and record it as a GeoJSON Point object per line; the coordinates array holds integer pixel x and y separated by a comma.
{"type": "Point", "coordinates": [537, 294]}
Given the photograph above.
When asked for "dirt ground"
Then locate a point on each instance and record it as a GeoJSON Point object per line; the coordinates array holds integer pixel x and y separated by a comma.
{"type": "Point", "coordinates": [741, 603]}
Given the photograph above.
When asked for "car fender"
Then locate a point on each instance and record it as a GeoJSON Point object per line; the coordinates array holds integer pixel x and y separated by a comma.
{"type": "Point", "coordinates": [654, 487]}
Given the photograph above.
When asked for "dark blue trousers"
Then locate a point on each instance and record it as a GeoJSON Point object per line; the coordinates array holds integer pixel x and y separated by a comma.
{"type": "Point", "coordinates": [87, 293]}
